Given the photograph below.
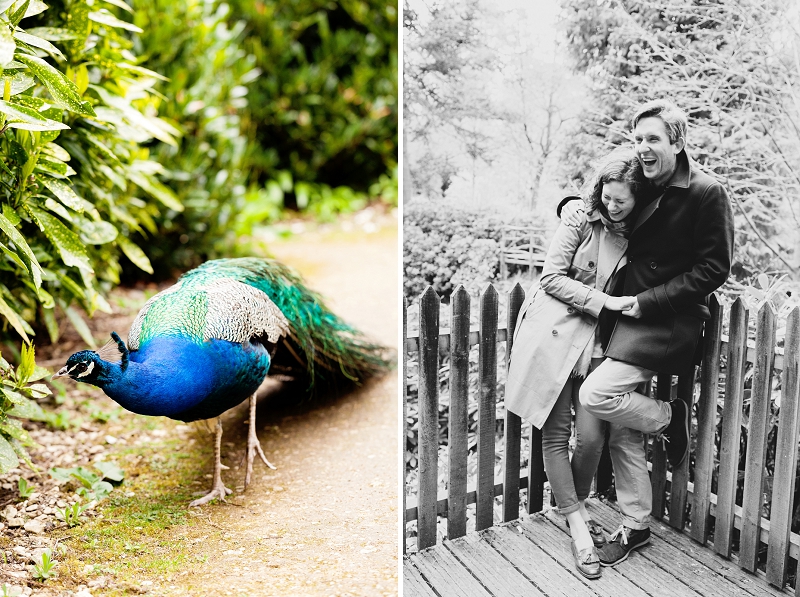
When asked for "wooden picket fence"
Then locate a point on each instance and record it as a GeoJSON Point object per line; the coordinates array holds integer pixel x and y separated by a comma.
{"type": "Point", "coordinates": [720, 507]}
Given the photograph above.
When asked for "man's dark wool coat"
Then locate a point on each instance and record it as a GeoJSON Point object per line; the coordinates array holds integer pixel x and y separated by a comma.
{"type": "Point", "coordinates": [679, 252]}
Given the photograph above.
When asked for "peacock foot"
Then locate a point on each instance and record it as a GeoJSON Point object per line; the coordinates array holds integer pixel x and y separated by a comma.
{"type": "Point", "coordinates": [218, 489]}
{"type": "Point", "coordinates": [253, 445]}
{"type": "Point", "coordinates": [217, 492]}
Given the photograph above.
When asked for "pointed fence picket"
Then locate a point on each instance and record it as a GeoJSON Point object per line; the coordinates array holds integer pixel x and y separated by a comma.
{"type": "Point", "coordinates": [716, 514]}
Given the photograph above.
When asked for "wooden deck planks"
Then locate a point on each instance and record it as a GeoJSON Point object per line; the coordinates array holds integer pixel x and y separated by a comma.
{"type": "Point", "coordinates": [484, 561]}
{"type": "Point", "coordinates": [716, 566]}
{"type": "Point", "coordinates": [414, 585]}
{"type": "Point", "coordinates": [533, 558]}
{"type": "Point", "coordinates": [550, 577]}
{"type": "Point", "coordinates": [555, 540]}
{"type": "Point", "coordinates": [447, 574]}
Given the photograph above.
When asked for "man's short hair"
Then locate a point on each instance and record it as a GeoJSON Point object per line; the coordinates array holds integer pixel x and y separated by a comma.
{"type": "Point", "coordinates": [674, 118]}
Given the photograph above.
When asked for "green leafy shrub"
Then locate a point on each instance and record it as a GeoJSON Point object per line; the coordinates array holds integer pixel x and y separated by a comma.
{"type": "Point", "coordinates": [323, 112]}
{"type": "Point", "coordinates": [76, 178]}
{"type": "Point", "coordinates": [204, 90]}
{"type": "Point", "coordinates": [18, 393]}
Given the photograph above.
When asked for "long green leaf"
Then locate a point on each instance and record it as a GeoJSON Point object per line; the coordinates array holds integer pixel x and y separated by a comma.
{"type": "Point", "coordinates": [26, 365]}
{"type": "Point", "coordinates": [64, 193]}
{"type": "Point", "coordinates": [53, 33]}
{"type": "Point", "coordinates": [28, 410]}
{"type": "Point", "coordinates": [33, 265]}
{"type": "Point", "coordinates": [13, 319]}
{"type": "Point", "coordinates": [17, 12]}
{"type": "Point", "coordinates": [22, 115]}
{"type": "Point", "coordinates": [98, 233]}
{"type": "Point", "coordinates": [38, 42]}
{"type": "Point", "coordinates": [8, 458]}
{"type": "Point", "coordinates": [14, 257]}
{"type": "Point", "coordinates": [7, 45]}
{"type": "Point", "coordinates": [80, 326]}
{"type": "Point", "coordinates": [135, 254]}
{"type": "Point", "coordinates": [5, 5]}
{"type": "Point", "coordinates": [64, 91]}
{"type": "Point", "coordinates": [156, 189]}
{"type": "Point", "coordinates": [69, 245]}
{"type": "Point", "coordinates": [104, 17]}
{"type": "Point", "coordinates": [120, 4]}
{"type": "Point", "coordinates": [49, 317]}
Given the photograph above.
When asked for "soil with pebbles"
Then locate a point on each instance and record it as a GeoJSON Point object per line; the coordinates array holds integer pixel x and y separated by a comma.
{"type": "Point", "coordinates": [323, 523]}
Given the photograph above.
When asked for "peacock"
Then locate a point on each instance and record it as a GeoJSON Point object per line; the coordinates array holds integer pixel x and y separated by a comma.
{"type": "Point", "coordinates": [205, 344]}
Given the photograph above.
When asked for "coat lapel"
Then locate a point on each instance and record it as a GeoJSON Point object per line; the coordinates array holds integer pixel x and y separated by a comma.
{"type": "Point", "coordinates": [612, 250]}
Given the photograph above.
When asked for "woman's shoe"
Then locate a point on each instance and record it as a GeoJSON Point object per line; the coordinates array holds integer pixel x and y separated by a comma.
{"type": "Point", "coordinates": [596, 531]}
{"type": "Point", "coordinates": [586, 561]}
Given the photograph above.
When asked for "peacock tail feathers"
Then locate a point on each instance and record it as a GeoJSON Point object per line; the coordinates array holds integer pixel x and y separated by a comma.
{"type": "Point", "coordinates": [258, 299]}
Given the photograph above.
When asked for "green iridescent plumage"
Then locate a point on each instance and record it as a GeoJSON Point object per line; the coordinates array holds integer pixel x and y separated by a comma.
{"type": "Point", "coordinates": [330, 350]}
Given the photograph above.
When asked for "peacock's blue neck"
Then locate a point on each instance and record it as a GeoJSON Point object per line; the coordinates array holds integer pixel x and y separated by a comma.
{"type": "Point", "coordinates": [170, 375]}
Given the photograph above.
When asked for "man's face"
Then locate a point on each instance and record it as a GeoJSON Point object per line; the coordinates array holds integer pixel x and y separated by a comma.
{"type": "Point", "coordinates": [656, 154]}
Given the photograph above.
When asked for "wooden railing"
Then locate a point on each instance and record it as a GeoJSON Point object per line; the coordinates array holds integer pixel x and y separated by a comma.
{"type": "Point", "coordinates": [706, 506]}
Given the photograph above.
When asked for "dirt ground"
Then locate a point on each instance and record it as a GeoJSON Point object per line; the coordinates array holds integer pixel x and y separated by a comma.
{"type": "Point", "coordinates": [323, 524]}
{"type": "Point", "coordinates": [335, 488]}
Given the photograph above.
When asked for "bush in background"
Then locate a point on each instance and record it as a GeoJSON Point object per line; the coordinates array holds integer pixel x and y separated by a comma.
{"type": "Point", "coordinates": [323, 112]}
{"type": "Point", "coordinates": [204, 72]}
{"type": "Point", "coordinates": [444, 246]}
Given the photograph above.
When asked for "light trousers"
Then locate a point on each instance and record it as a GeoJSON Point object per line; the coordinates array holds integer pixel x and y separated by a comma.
{"type": "Point", "coordinates": [570, 481]}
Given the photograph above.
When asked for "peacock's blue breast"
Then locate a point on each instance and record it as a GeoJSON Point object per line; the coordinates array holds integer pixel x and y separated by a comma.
{"type": "Point", "coordinates": [186, 380]}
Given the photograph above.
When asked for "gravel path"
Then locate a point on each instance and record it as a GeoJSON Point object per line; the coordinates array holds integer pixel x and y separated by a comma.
{"type": "Point", "coordinates": [325, 523]}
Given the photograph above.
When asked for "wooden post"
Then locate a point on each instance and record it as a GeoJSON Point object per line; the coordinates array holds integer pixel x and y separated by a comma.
{"type": "Point", "coordinates": [706, 424]}
{"type": "Point", "coordinates": [731, 429]}
{"type": "Point", "coordinates": [513, 426]}
{"type": "Point", "coordinates": [404, 438]}
{"type": "Point", "coordinates": [780, 520]}
{"type": "Point", "coordinates": [428, 417]}
{"type": "Point", "coordinates": [487, 386]}
{"type": "Point", "coordinates": [753, 499]}
{"type": "Point", "coordinates": [503, 269]}
{"type": "Point", "coordinates": [658, 476]}
{"type": "Point", "coordinates": [679, 488]}
{"type": "Point", "coordinates": [459, 415]}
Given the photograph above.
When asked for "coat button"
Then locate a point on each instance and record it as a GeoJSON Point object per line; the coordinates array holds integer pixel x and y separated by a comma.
{"type": "Point", "coordinates": [591, 264]}
{"type": "Point", "coordinates": [653, 265]}
{"type": "Point", "coordinates": [555, 332]}
{"type": "Point", "coordinates": [569, 310]}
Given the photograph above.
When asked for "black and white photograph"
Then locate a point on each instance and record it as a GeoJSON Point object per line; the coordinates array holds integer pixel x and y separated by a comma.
{"type": "Point", "coordinates": [601, 283]}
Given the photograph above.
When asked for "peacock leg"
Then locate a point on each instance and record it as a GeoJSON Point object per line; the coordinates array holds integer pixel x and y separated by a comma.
{"type": "Point", "coordinates": [218, 490]}
{"type": "Point", "coordinates": [253, 445]}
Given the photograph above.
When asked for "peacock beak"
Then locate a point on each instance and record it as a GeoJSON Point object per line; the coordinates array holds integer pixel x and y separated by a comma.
{"type": "Point", "coordinates": [61, 373]}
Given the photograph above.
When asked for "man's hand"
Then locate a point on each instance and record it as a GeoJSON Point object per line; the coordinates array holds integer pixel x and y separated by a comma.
{"type": "Point", "coordinates": [620, 303]}
{"type": "Point", "coordinates": [573, 213]}
{"type": "Point", "coordinates": [634, 311]}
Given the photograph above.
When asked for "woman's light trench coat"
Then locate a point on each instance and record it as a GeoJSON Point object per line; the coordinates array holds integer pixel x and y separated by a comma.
{"type": "Point", "coordinates": [558, 318]}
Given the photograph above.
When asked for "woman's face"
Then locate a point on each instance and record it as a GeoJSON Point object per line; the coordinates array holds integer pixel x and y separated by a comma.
{"type": "Point", "coordinates": [618, 200]}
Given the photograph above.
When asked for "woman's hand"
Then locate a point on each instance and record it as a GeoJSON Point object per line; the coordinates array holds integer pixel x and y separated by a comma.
{"type": "Point", "coordinates": [573, 214]}
{"type": "Point", "coordinates": [621, 303]}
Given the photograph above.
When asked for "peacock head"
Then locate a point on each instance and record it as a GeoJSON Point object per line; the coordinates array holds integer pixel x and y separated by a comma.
{"type": "Point", "coordinates": [95, 368]}
{"type": "Point", "coordinates": [85, 366]}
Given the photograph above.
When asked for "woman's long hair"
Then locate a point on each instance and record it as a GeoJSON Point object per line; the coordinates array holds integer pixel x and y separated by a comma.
{"type": "Point", "coordinates": [621, 165]}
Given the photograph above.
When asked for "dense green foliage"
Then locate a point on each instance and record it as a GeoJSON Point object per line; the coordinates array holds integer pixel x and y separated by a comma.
{"type": "Point", "coordinates": [205, 71]}
{"type": "Point", "coordinates": [75, 178]}
{"type": "Point", "coordinates": [18, 393]}
{"type": "Point", "coordinates": [323, 112]}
